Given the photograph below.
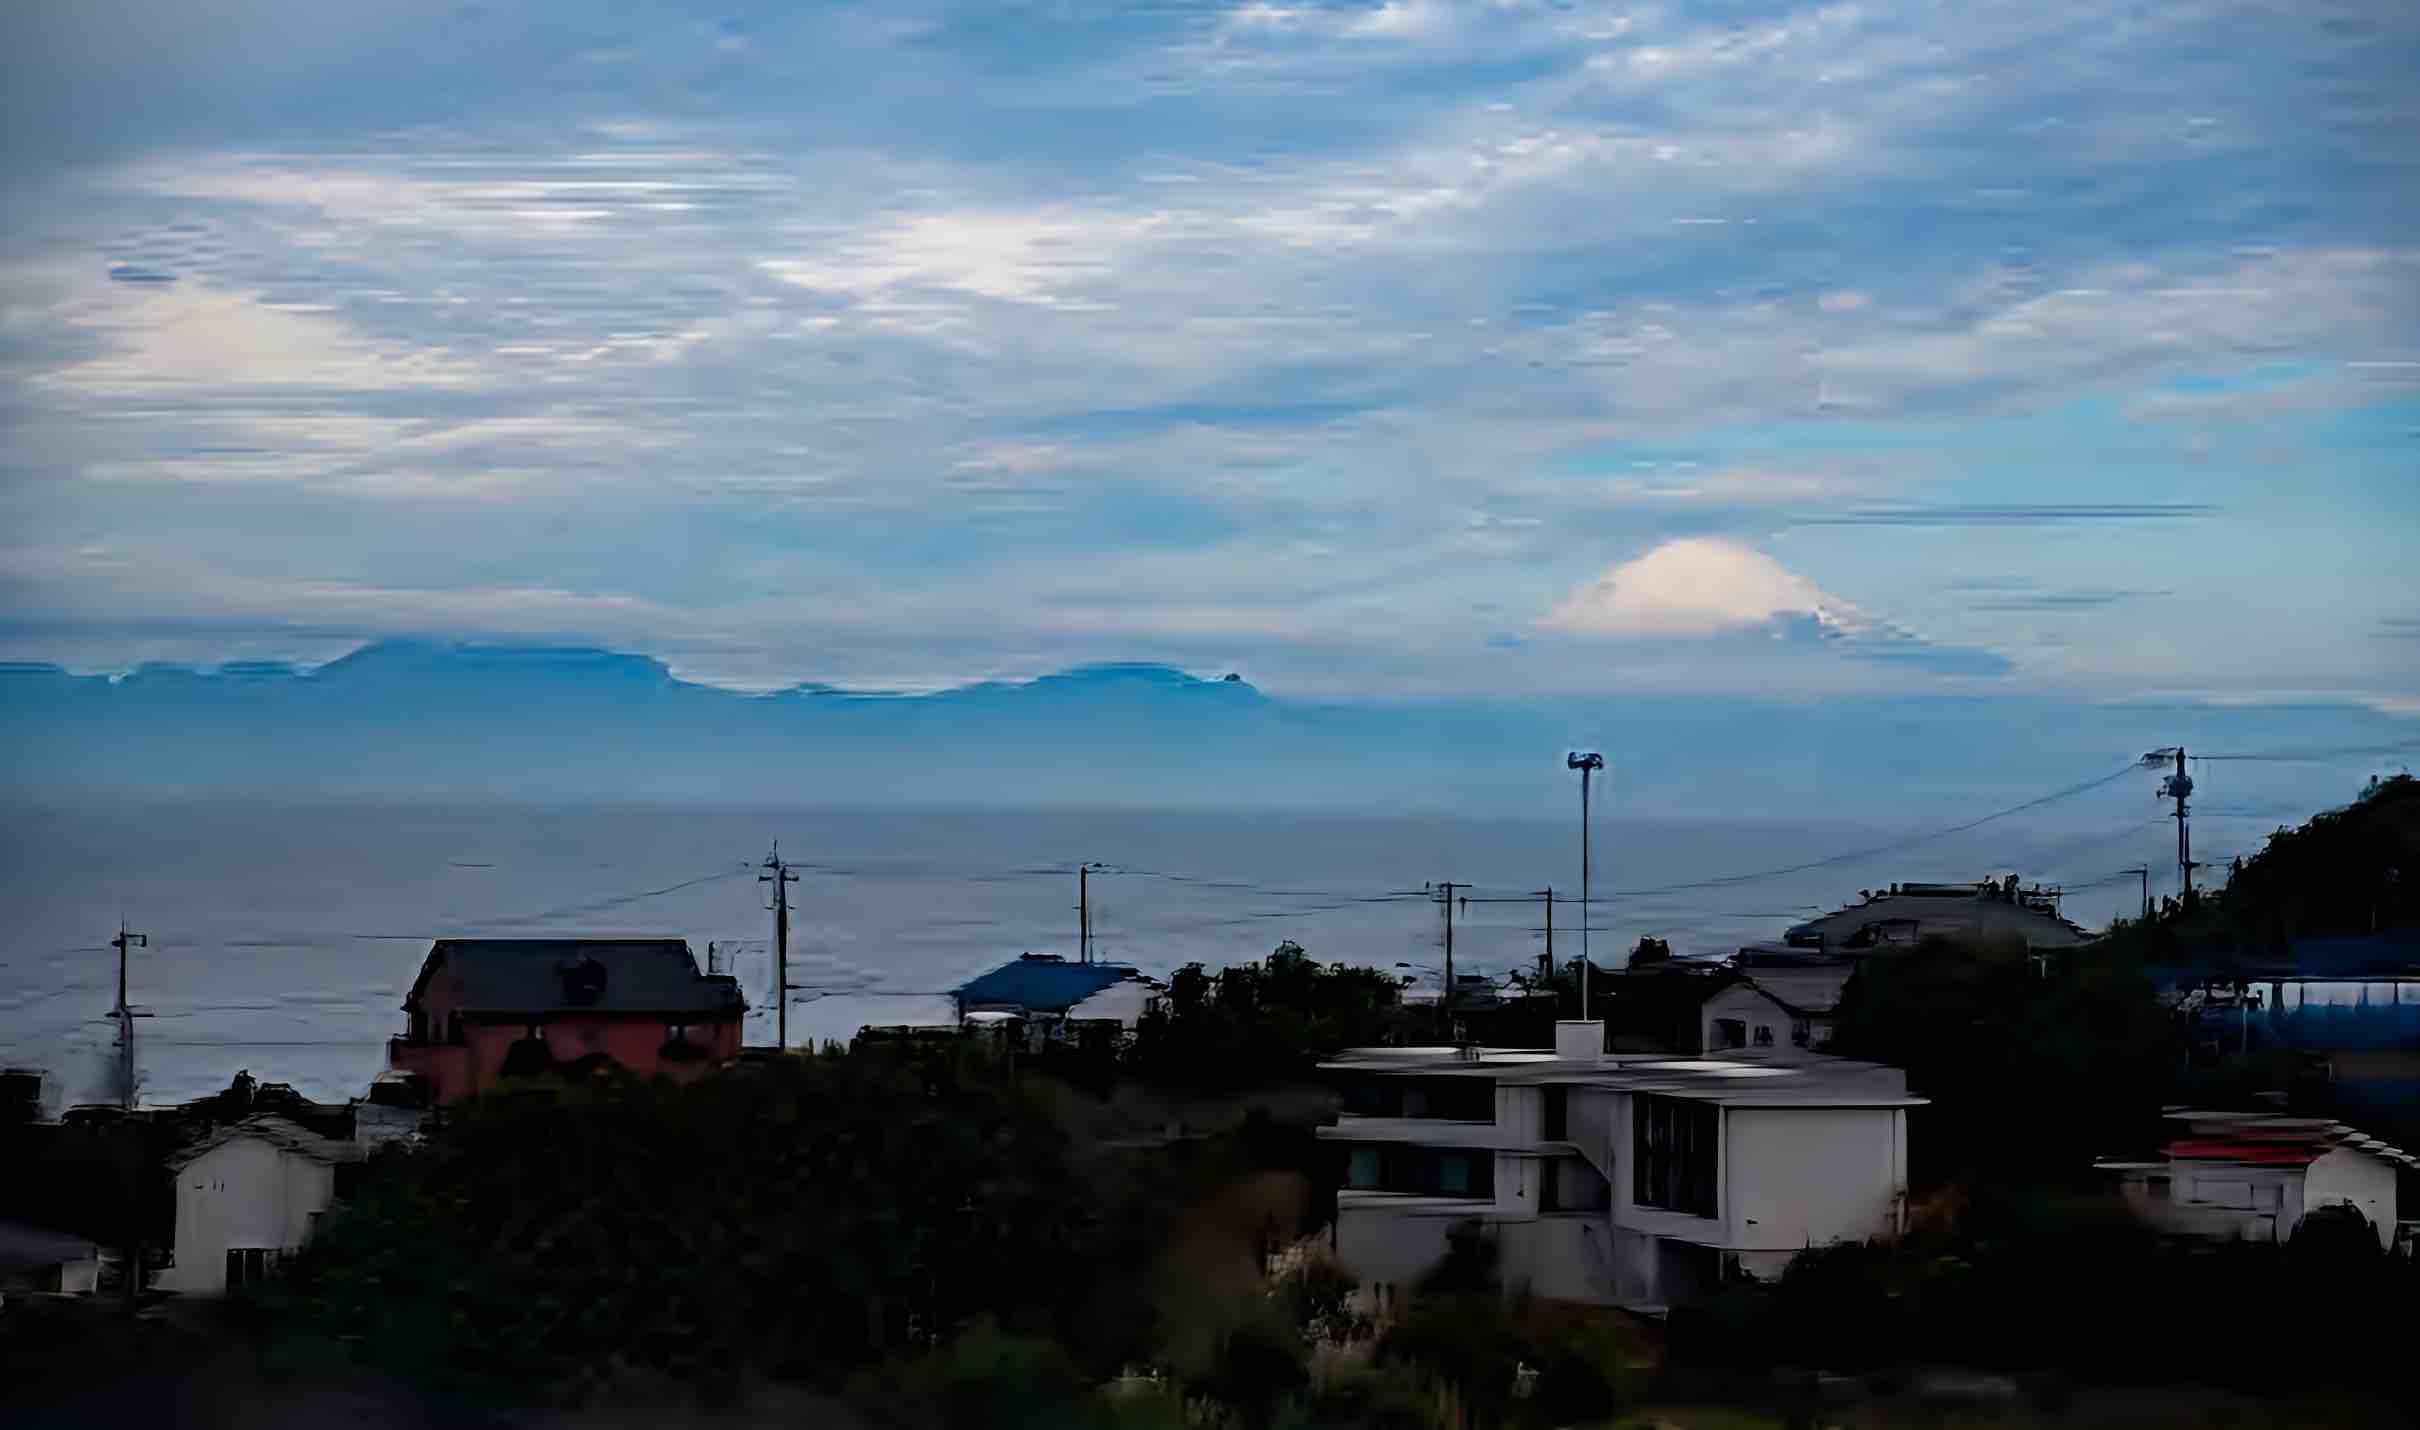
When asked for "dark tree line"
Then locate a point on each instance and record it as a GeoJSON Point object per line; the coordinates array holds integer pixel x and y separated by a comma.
{"type": "Point", "coordinates": [1254, 1022]}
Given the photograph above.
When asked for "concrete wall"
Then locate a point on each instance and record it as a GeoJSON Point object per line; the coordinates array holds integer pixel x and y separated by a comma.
{"type": "Point", "coordinates": [1521, 1111]}
{"type": "Point", "coordinates": [1809, 1176]}
{"type": "Point", "coordinates": [1593, 1127]}
{"type": "Point", "coordinates": [1520, 1183]}
{"type": "Point", "coordinates": [1578, 1186]}
{"type": "Point", "coordinates": [1562, 1258]}
{"type": "Point", "coordinates": [1382, 1244]}
{"type": "Point", "coordinates": [248, 1192]}
{"type": "Point", "coordinates": [2347, 1174]}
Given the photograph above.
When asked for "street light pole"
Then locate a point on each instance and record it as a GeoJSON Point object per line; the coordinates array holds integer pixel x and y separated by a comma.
{"type": "Point", "coordinates": [1587, 762]}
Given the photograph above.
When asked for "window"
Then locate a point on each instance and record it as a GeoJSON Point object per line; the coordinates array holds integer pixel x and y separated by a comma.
{"type": "Point", "coordinates": [1730, 1033]}
{"type": "Point", "coordinates": [536, 1032]}
{"type": "Point", "coordinates": [1557, 1124]}
{"type": "Point", "coordinates": [1764, 1035]}
{"type": "Point", "coordinates": [1672, 1166]}
{"type": "Point", "coordinates": [249, 1266]}
{"type": "Point", "coordinates": [1799, 1032]}
{"type": "Point", "coordinates": [1420, 1171]}
{"type": "Point", "coordinates": [676, 1032]}
{"type": "Point", "coordinates": [453, 1028]}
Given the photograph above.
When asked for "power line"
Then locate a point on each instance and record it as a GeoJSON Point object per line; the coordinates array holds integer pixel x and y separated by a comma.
{"type": "Point", "coordinates": [1891, 848]}
{"type": "Point", "coordinates": [2341, 752]}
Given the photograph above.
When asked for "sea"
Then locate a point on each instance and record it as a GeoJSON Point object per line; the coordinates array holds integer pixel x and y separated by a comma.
{"type": "Point", "coordinates": [281, 937]}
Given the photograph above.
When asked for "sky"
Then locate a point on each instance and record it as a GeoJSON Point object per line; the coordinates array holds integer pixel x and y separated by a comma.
{"type": "Point", "coordinates": [1394, 351]}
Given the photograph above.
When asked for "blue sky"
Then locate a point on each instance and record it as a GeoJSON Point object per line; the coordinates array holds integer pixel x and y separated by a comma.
{"type": "Point", "coordinates": [1374, 351]}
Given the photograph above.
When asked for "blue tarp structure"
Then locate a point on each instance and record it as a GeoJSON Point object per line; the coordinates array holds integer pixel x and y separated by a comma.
{"type": "Point", "coordinates": [1041, 983]}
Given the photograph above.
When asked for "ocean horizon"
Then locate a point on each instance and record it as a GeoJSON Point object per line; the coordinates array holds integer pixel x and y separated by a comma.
{"type": "Point", "coordinates": [283, 935]}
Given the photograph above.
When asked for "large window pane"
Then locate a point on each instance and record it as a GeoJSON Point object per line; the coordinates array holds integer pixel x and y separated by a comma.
{"type": "Point", "coordinates": [1673, 1167]}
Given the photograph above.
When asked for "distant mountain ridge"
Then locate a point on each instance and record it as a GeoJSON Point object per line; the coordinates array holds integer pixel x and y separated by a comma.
{"type": "Point", "coordinates": [420, 719]}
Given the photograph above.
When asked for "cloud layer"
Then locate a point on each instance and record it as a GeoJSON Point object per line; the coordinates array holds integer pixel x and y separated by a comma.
{"type": "Point", "coordinates": [1349, 344]}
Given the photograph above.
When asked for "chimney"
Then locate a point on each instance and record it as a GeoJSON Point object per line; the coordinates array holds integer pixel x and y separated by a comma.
{"type": "Point", "coordinates": [1580, 1039]}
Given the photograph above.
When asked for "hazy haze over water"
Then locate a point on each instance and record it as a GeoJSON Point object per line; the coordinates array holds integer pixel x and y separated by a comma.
{"type": "Point", "coordinates": [284, 936]}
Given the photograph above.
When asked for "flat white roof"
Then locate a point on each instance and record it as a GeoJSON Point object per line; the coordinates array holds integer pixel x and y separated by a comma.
{"type": "Point", "coordinates": [1765, 1077]}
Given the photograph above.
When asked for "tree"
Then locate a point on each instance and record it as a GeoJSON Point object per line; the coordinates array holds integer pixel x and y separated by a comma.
{"type": "Point", "coordinates": [2032, 1072]}
{"type": "Point", "coordinates": [1255, 1021]}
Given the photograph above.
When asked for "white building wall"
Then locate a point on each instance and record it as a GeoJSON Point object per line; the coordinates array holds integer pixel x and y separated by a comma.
{"type": "Point", "coordinates": [1561, 1258]}
{"type": "Point", "coordinates": [247, 1192]}
{"type": "Point", "coordinates": [1383, 1244]}
{"type": "Point", "coordinates": [1519, 1184]}
{"type": "Point", "coordinates": [1521, 1112]}
{"type": "Point", "coordinates": [1808, 1176]}
{"type": "Point", "coordinates": [1749, 1006]}
{"type": "Point", "coordinates": [2348, 1174]}
{"type": "Point", "coordinates": [1125, 1002]}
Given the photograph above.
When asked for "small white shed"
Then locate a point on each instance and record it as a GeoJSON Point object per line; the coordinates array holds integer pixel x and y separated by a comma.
{"type": "Point", "coordinates": [37, 1258]}
{"type": "Point", "coordinates": [247, 1196]}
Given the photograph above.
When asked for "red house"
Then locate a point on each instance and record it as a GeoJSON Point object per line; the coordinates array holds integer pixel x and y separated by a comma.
{"type": "Point", "coordinates": [485, 1008]}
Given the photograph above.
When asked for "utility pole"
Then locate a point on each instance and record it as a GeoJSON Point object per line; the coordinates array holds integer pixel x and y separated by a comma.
{"type": "Point", "coordinates": [781, 876]}
{"type": "Point", "coordinates": [1549, 893]}
{"type": "Point", "coordinates": [1084, 911]}
{"type": "Point", "coordinates": [2144, 872]}
{"type": "Point", "coordinates": [2178, 787]}
{"type": "Point", "coordinates": [1587, 762]}
{"type": "Point", "coordinates": [1445, 896]}
{"type": "Point", "coordinates": [126, 1014]}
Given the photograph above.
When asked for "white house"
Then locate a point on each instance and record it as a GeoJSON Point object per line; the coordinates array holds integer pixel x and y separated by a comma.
{"type": "Point", "coordinates": [1122, 1003]}
{"type": "Point", "coordinates": [246, 1196]}
{"type": "Point", "coordinates": [1623, 1179]}
{"type": "Point", "coordinates": [2253, 1176]}
{"type": "Point", "coordinates": [36, 1258]}
{"type": "Point", "coordinates": [1745, 1015]}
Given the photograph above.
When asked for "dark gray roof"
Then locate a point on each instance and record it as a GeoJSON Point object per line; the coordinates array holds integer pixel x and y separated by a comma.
{"type": "Point", "coordinates": [543, 975]}
{"type": "Point", "coordinates": [1931, 910]}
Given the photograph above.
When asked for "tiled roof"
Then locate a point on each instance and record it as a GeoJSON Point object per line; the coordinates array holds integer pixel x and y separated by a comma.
{"type": "Point", "coordinates": [268, 1129]}
{"type": "Point", "coordinates": [2269, 1139]}
{"type": "Point", "coordinates": [1042, 983]}
{"type": "Point", "coordinates": [1803, 990]}
{"type": "Point", "coordinates": [545, 975]}
{"type": "Point", "coordinates": [1934, 910]}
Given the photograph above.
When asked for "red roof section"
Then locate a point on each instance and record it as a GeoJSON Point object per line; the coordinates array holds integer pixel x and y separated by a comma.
{"type": "Point", "coordinates": [2260, 1152]}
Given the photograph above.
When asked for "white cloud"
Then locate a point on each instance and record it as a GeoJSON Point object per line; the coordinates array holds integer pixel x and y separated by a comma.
{"type": "Point", "coordinates": [187, 334]}
{"type": "Point", "coordinates": [1399, 20]}
{"type": "Point", "coordinates": [1016, 257]}
{"type": "Point", "coordinates": [1693, 586]}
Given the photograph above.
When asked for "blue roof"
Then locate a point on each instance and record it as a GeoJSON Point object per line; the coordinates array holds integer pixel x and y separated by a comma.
{"type": "Point", "coordinates": [1043, 983]}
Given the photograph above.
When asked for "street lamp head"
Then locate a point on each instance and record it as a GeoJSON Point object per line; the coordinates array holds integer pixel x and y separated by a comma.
{"type": "Point", "coordinates": [1584, 760]}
